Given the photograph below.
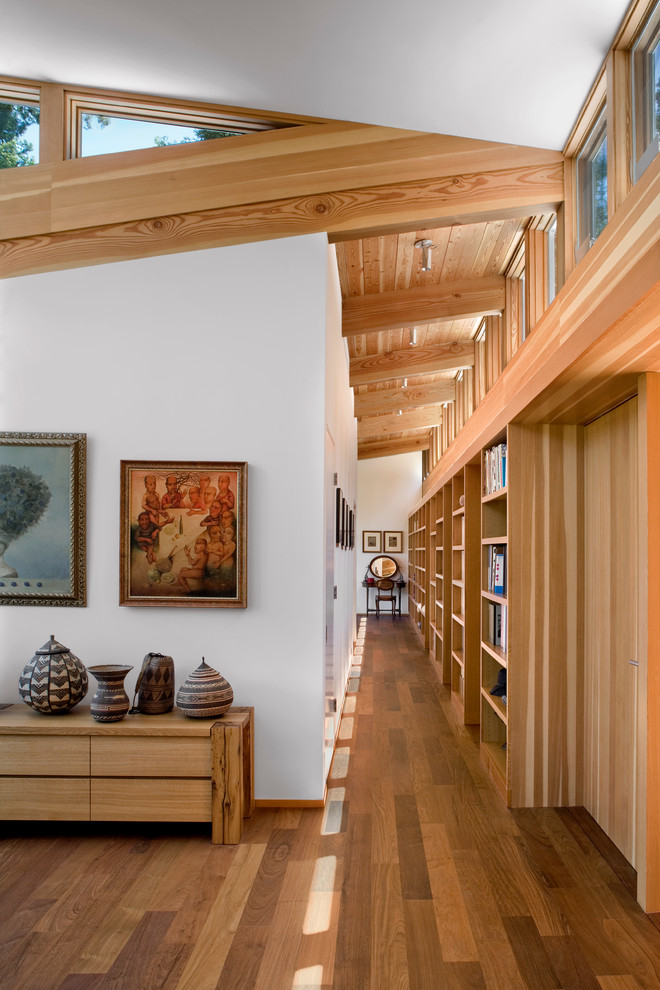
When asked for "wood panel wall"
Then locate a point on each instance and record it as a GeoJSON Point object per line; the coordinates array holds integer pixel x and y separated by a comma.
{"type": "Point", "coordinates": [611, 571]}
{"type": "Point", "coordinates": [545, 466]}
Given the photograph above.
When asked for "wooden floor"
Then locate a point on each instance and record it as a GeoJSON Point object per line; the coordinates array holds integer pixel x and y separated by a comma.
{"type": "Point", "coordinates": [415, 877]}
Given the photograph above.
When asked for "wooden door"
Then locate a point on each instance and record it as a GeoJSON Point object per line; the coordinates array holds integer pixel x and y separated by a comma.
{"type": "Point", "coordinates": [611, 601]}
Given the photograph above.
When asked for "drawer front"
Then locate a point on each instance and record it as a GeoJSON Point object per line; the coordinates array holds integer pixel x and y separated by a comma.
{"type": "Point", "coordinates": [140, 756]}
{"type": "Point", "coordinates": [52, 799]}
{"type": "Point", "coordinates": [45, 756]}
{"type": "Point", "coordinates": [124, 800]}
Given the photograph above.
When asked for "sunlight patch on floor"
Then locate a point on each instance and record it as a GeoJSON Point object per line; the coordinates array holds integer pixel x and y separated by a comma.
{"type": "Point", "coordinates": [334, 810]}
{"type": "Point", "coordinates": [310, 978]}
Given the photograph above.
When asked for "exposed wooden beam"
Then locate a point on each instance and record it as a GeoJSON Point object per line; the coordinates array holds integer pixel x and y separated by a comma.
{"type": "Point", "coordinates": [424, 418]}
{"type": "Point", "coordinates": [400, 445]}
{"type": "Point", "coordinates": [310, 160]}
{"type": "Point", "coordinates": [422, 304]}
{"type": "Point", "coordinates": [411, 361]}
{"type": "Point", "coordinates": [390, 400]}
{"type": "Point", "coordinates": [335, 177]}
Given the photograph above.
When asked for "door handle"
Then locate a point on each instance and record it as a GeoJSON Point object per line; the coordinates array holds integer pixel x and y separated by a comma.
{"type": "Point", "coordinates": [634, 663]}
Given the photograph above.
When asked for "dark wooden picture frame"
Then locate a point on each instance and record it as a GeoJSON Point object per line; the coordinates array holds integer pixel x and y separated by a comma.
{"type": "Point", "coordinates": [183, 537]}
{"type": "Point", "coordinates": [42, 518]}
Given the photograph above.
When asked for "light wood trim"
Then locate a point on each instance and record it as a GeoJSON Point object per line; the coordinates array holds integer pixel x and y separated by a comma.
{"type": "Point", "coordinates": [390, 400]}
{"type": "Point", "coordinates": [603, 322]}
{"type": "Point", "coordinates": [413, 419]}
{"type": "Point", "coordinates": [588, 115]}
{"type": "Point", "coordinates": [411, 361]}
{"type": "Point", "coordinates": [619, 129]}
{"type": "Point", "coordinates": [422, 304]}
{"type": "Point", "coordinates": [51, 123]}
{"type": "Point", "coordinates": [397, 445]}
{"type": "Point", "coordinates": [634, 18]}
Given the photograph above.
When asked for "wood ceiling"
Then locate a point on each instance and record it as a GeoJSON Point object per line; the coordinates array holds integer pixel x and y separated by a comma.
{"type": "Point", "coordinates": [409, 330]}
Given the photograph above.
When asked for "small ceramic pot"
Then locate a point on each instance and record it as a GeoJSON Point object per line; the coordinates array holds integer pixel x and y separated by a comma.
{"type": "Point", "coordinates": [205, 693]}
{"type": "Point", "coordinates": [155, 685]}
{"type": "Point", "coordinates": [110, 702]}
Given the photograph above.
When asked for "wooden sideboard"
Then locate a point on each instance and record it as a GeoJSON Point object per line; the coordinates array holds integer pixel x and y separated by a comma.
{"type": "Point", "coordinates": [168, 768]}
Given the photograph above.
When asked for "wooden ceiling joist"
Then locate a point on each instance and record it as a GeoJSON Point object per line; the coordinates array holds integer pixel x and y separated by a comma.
{"type": "Point", "coordinates": [414, 419]}
{"type": "Point", "coordinates": [411, 361]}
{"type": "Point", "coordinates": [390, 400]}
{"type": "Point", "coordinates": [397, 445]}
{"type": "Point", "coordinates": [422, 304]}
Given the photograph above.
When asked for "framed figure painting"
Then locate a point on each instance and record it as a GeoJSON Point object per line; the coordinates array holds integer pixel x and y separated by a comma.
{"type": "Point", "coordinates": [42, 518]}
{"type": "Point", "coordinates": [183, 539]}
{"type": "Point", "coordinates": [393, 541]}
{"type": "Point", "coordinates": [371, 541]}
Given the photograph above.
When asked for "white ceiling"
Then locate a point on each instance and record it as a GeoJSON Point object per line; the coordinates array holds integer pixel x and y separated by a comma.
{"type": "Point", "coordinates": [503, 70]}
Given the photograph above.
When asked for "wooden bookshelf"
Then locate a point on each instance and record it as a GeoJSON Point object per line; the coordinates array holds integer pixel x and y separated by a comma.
{"type": "Point", "coordinates": [463, 598]}
{"type": "Point", "coordinates": [418, 586]}
{"type": "Point", "coordinates": [494, 731]}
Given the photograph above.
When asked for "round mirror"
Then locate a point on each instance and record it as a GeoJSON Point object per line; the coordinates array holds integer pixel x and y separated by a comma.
{"type": "Point", "coordinates": [383, 567]}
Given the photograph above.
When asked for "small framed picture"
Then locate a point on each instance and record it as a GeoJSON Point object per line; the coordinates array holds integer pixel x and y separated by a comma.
{"type": "Point", "coordinates": [351, 529]}
{"type": "Point", "coordinates": [338, 501]}
{"type": "Point", "coordinates": [42, 518]}
{"type": "Point", "coordinates": [393, 541]}
{"type": "Point", "coordinates": [183, 533]}
{"type": "Point", "coordinates": [372, 541]}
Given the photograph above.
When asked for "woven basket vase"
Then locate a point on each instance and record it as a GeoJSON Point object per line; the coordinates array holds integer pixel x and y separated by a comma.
{"type": "Point", "coordinates": [205, 693]}
{"type": "Point", "coordinates": [54, 680]}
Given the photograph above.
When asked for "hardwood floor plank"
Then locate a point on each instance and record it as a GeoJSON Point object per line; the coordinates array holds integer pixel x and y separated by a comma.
{"type": "Point", "coordinates": [132, 966]}
{"type": "Point", "coordinates": [82, 981]}
{"type": "Point", "coordinates": [529, 950]}
{"type": "Point", "coordinates": [415, 884]}
{"type": "Point", "coordinates": [568, 962]}
{"type": "Point", "coordinates": [451, 916]}
{"type": "Point", "coordinates": [265, 892]}
{"type": "Point", "coordinates": [353, 960]}
{"type": "Point", "coordinates": [389, 962]}
{"type": "Point", "coordinates": [425, 963]}
{"type": "Point", "coordinates": [217, 929]}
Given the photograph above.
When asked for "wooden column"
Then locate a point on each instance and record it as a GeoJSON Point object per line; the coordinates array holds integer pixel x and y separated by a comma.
{"type": "Point", "coordinates": [536, 276]}
{"type": "Point", "coordinates": [619, 130]}
{"type": "Point", "coordinates": [648, 738]}
{"type": "Point", "coordinates": [51, 123]}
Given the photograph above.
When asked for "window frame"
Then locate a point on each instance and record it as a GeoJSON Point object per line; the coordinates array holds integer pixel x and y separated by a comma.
{"type": "Point", "coordinates": [646, 134]}
{"type": "Point", "coordinates": [584, 190]}
{"type": "Point", "coordinates": [22, 95]}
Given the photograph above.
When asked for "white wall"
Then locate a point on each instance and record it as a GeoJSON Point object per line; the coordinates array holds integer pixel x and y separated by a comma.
{"type": "Point", "coordinates": [194, 356]}
{"type": "Point", "coordinates": [341, 447]}
{"type": "Point", "coordinates": [388, 487]}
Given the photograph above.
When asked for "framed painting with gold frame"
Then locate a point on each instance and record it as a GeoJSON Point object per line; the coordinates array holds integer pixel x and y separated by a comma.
{"type": "Point", "coordinates": [183, 539]}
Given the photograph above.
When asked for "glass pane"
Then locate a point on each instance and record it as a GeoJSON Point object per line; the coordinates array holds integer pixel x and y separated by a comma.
{"type": "Point", "coordinates": [592, 185]}
{"type": "Point", "coordinates": [599, 189]}
{"type": "Point", "coordinates": [646, 92]}
{"type": "Point", "coordinates": [102, 135]}
{"type": "Point", "coordinates": [19, 135]}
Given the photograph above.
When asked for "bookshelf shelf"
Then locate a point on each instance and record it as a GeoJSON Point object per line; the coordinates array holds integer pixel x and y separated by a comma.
{"type": "Point", "coordinates": [498, 707]}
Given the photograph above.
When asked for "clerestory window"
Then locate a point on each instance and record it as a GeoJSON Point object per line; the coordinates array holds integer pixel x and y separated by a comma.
{"type": "Point", "coordinates": [592, 186]}
{"type": "Point", "coordinates": [646, 93]}
{"type": "Point", "coordinates": [19, 127]}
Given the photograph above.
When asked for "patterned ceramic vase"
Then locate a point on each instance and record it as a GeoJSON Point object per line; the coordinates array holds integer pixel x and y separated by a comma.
{"type": "Point", "coordinates": [110, 702]}
{"type": "Point", "coordinates": [155, 685]}
{"type": "Point", "coordinates": [205, 693]}
{"type": "Point", "coordinates": [54, 680]}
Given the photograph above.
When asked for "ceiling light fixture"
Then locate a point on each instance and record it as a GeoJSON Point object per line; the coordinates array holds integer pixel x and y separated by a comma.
{"type": "Point", "coordinates": [405, 383]}
{"type": "Point", "coordinates": [427, 246]}
{"type": "Point", "coordinates": [413, 336]}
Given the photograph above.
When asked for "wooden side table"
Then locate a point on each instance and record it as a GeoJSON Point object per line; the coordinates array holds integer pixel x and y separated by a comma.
{"type": "Point", "coordinates": [142, 768]}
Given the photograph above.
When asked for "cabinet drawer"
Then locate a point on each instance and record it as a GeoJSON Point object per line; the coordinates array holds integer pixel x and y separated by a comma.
{"type": "Point", "coordinates": [133, 756]}
{"type": "Point", "coordinates": [63, 799]}
{"type": "Point", "coordinates": [123, 800]}
{"type": "Point", "coordinates": [45, 756]}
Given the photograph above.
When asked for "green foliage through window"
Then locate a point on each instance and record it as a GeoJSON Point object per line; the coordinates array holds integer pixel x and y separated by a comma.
{"type": "Point", "coordinates": [15, 149]}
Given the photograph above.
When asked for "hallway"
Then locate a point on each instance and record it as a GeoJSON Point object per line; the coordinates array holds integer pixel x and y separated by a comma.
{"type": "Point", "coordinates": [414, 877]}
